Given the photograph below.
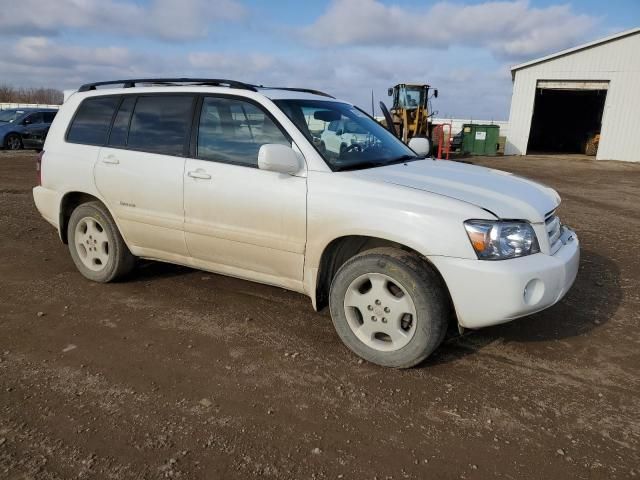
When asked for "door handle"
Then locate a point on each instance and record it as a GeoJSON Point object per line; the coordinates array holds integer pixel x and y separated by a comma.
{"type": "Point", "coordinates": [110, 159]}
{"type": "Point", "coordinates": [199, 174]}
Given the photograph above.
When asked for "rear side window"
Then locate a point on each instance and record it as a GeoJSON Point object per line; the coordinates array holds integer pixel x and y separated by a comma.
{"type": "Point", "coordinates": [120, 127]}
{"type": "Point", "coordinates": [93, 118]}
{"type": "Point", "coordinates": [34, 118]}
{"type": "Point", "coordinates": [160, 124]}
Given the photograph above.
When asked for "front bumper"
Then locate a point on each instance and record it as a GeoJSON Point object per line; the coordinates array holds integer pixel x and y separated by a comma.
{"type": "Point", "coordinates": [487, 293]}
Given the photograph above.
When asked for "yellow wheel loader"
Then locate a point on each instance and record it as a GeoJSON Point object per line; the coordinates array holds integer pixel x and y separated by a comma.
{"type": "Point", "coordinates": [409, 115]}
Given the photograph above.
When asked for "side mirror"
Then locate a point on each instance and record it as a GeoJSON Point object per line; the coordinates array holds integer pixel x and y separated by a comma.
{"type": "Point", "coordinates": [278, 158]}
{"type": "Point", "coordinates": [390, 92]}
{"type": "Point", "coordinates": [420, 145]}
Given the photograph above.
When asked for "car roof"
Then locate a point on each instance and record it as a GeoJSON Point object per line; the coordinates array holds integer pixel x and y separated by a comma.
{"type": "Point", "coordinates": [284, 94]}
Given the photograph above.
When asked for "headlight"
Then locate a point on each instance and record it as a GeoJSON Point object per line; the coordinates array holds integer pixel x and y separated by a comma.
{"type": "Point", "coordinates": [501, 240]}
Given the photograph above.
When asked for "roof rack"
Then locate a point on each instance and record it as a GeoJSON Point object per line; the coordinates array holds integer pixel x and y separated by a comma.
{"type": "Point", "coordinates": [305, 90]}
{"type": "Point", "coordinates": [214, 82]}
{"type": "Point", "coordinates": [130, 83]}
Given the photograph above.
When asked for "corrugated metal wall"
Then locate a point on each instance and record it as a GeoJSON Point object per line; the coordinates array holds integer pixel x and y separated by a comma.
{"type": "Point", "coordinates": [7, 106]}
{"type": "Point", "coordinates": [617, 61]}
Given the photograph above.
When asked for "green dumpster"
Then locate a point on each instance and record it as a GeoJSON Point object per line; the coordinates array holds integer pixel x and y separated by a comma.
{"type": "Point", "coordinates": [478, 139]}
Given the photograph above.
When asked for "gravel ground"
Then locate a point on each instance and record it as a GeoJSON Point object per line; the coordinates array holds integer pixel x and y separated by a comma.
{"type": "Point", "coordinates": [177, 373]}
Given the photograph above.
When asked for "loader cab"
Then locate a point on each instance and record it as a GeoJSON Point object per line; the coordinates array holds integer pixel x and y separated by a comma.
{"type": "Point", "coordinates": [410, 96]}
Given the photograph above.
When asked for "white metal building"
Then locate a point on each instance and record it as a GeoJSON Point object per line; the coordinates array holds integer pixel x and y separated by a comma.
{"type": "Point", "coordinates": [561, 100]}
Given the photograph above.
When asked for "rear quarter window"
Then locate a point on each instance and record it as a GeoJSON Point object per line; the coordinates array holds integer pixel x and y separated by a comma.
{"type": "Point", "coordinates": [120, 128]}
{"type": "Point", "coordinates": [91, 123]}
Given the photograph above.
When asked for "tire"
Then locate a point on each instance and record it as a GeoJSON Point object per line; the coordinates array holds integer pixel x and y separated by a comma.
{"type": "Point", "coordinates": [13, 142]}
{"type": "Point", "coordinates": [95, 244]}
{"type": "Point", "coordinates": [393, 275]}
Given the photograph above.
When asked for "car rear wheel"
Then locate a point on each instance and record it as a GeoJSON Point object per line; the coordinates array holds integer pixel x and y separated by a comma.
{"type": "Point", "coordinates": [389, 307]}
{"type": "Point", "coordinates": [13, 142]}
{"type": "Point", "coordinates": [95, 244]}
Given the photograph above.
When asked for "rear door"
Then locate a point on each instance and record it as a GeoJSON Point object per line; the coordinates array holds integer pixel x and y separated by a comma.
{"type": "Point", "coordinates": [139, 172]}
{"type": "Point", "coordinates": [239, 219]}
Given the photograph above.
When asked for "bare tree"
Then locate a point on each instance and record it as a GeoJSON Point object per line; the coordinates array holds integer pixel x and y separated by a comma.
{"type": "Point", "coordinates": [50, 96]}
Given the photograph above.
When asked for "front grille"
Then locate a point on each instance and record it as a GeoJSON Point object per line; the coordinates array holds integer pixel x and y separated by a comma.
{"type": "Point", "coordinates": [554, 230]}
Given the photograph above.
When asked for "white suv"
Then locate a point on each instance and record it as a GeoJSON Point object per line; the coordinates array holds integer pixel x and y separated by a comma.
{"type": "Point", "coordinates": [341, 135]}
{"type": "Point", "coordinates": [227, 177]}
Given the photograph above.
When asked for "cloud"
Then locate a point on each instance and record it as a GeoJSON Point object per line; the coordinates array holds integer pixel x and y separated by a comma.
{"type": "Point", "coordinates": [509, 29]}
{"type": "Point", "coordinates": [233, 65]}
{"type": "Point", "coordinates": [40, 51]}
{"type": "Point", "coordinates": [41, 61]}
{"type": "Point", "coordinates": [161, 19]}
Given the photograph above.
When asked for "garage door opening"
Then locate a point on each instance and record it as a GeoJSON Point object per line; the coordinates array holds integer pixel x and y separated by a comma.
{"type": "Point", "coordinates": [567, 117]}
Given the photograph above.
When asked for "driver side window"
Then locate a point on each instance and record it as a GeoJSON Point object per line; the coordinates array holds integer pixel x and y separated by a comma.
{"type": "Point", "coordinates": [233, 130]}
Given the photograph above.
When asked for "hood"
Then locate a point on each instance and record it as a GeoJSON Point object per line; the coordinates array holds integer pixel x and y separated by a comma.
{"type": "Point", "coordinates": [506, 195]}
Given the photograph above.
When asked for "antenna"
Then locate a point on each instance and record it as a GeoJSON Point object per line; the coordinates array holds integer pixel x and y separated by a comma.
{"type": "Point", "coordinates": [373, 110]}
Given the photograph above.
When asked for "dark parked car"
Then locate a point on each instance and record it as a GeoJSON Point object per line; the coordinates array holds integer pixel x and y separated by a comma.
{"type": "Point", "coordinates": [456, 142]}
{"type": "Point", "coordinates": [25, 127]}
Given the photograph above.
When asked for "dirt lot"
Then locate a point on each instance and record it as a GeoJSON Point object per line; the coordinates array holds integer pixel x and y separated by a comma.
{"type": "Point", "coordinates": [178, 373]}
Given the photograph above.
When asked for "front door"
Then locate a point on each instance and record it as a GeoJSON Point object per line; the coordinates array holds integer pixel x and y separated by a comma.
{"type": "Point", "coordinates": [241, 220]}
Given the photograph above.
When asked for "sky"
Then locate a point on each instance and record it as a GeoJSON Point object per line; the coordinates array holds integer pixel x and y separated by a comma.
{"type": "Point", "coordinates": [348, 48]}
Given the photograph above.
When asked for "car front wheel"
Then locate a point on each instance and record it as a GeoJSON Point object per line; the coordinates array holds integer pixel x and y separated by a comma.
{"type": "Point", "coordinates": [389, 307]}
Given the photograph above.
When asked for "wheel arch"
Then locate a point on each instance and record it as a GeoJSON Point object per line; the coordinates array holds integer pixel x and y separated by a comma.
{"type": "Point", "coordinates": [69, 202]}
{"type": "Point", "coordinates": [341, 249]}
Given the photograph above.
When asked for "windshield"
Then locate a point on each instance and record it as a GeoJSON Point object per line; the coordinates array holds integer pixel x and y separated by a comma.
{"type": "Point", "coordinates": [8, 116]}
{"type": "Point", "coordinates": [347, 138]}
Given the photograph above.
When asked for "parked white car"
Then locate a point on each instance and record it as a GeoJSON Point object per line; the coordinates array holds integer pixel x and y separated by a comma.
{"type": "Point", "coordinates": [343, 135]}
{"type": "Point", "coordinates": [226, 177]}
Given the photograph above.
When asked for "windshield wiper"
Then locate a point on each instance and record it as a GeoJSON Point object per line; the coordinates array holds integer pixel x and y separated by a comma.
{"type": "Point", "coordinates": [370, 164]}
{"type": "Point", "coordinates": [403, 159]}
{"type": "Point", "coordinates": [358, 166]}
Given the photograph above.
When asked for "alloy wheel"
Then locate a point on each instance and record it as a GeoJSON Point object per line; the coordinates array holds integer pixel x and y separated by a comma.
{"type": "Point", "coordinates": [380, 312]}
{"type": "Point", "coordinates": [92, 244]}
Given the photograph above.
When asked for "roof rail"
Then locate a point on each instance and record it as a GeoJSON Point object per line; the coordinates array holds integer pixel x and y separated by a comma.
{"type": "Point", "coordinates": [130, 83]}
{"type": "Point", "coordinates": [305, 90]}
